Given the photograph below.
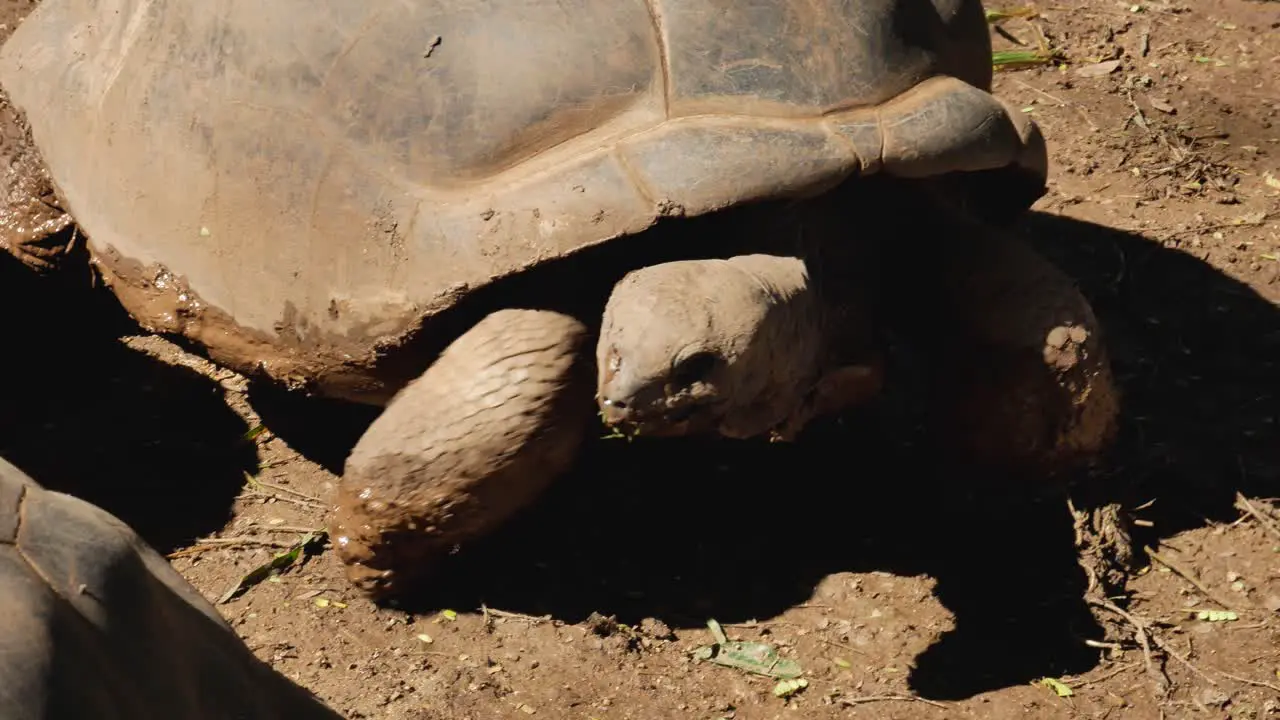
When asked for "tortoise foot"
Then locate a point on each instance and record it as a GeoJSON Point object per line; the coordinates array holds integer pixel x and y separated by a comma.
{"type": "Point", "coordinates": [1021, 374]}
{"type": "Point", "coordinates": [476, 438]}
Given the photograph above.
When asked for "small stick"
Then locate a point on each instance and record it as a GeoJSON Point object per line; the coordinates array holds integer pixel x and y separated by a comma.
{"type": "Point", "coordinates": [1104, 678]}
{"type": "Point", "coordinates": [1243, 504]}
{"type": "Point", "coordinates": [289, 491]}
{"type": "Point", "coordinates": [1141, 632]}
{"type": "Point", "coordinates": [1247, 681]}
{"type": "Point", "coordinates": [1060, 101]}
{"type": "Point", "coordinates": [206, 544]}
{"type": "Point", "coordinates": [285, 528]}
{"type": "Point", "coordinates": [1185, 661]}
{"type": "Point", "coordinates": [851, 701]}
{"type": "Point", "coordinates": [309, 504]}
{"type": "Point", "coordinates": [531, 619]}
{"type": "Point", "coordinates": [1038, 91]}
{"type": "Point", "coordinates": [1103, 645]}
{"type": "Point", "coordinates": [1137, 117]}
{"type": "Point", "coordinates": [1189, 577]}
{"type": "Point", "coordinates": [1207, 228]}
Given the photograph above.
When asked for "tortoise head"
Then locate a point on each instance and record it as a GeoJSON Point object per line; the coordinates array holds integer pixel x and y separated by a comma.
{"type": "Point", "coordinates": [691, 347]}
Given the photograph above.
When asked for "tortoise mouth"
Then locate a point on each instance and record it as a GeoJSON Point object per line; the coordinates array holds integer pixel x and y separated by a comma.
{"type": "Point", "coordinates": [669, 417]}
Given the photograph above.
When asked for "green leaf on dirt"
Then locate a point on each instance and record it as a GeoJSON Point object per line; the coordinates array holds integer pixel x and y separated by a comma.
{"type": "Point", "coordinates": [787, 688]}
{"type": "Point", "coordinates": [1010, 59]}
{"type": "Point", "coordinates": [1058, 687]}
{"type": "Point", "coordinates": [449, 615]}
{"type": "Point", "coordinates": [274, 566]}
{"type": "Point", "coordinates": [995, 16]}
{"type": "Point", "coordinates": [843, 663]}
{"type": "Point", "coordinates": [1217, 616]}
{"type": "Point", "coordinates": [252, 433]}
{"type": "Point", "coordinates": [753, 657]}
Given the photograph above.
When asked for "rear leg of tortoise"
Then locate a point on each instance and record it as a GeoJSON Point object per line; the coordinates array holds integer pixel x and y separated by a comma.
{"type": "Point", "coordinates": [33, 226]}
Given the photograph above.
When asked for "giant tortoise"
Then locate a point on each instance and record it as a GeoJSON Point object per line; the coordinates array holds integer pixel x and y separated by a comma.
{"type": "Point", "coordinates": [99, 625]}
{"type": "Point", "coordinates": [424, 205]}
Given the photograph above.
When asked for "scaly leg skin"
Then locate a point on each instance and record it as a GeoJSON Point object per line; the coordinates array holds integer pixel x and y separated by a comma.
{"type": "Point", "coordinates": [1018, 370]}
{"type": "Point", "coordinates": [33, 226]}
{"type": "Point", "coordinates": [1021, 377]}
{"type": "Point", "coordinates": [498, 417]}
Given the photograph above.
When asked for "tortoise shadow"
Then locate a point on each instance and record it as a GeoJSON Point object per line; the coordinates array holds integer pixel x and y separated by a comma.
{"type": "Point", "coordinates": [687, 530]}
{"type": "Point", "coordinates": [153, 443]}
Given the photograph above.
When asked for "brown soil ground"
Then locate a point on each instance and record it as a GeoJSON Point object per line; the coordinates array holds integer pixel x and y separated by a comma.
{"type": "Point", "coordinates": [902, 592]}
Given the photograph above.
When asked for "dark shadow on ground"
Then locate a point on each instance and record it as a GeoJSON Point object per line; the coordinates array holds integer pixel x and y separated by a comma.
{"type": "Point", "coordinates": [1198, 356]}
{"type": "Point", "coordinates": [322, 430]}
{"type": "Point", "coordinates": [152, 443]}
{"type": "Point", "coordinates": [686, 530]}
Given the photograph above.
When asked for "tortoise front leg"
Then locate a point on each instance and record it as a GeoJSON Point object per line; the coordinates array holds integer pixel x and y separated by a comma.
{"type": "Point", "coordinates": [1020, 373]}
{"type": "Point", "coordinates": [1020, 377]}
{"type": "Point", "coordinates": [475, 439]}
{"type": "Point", "coordinates": [1034, 388]}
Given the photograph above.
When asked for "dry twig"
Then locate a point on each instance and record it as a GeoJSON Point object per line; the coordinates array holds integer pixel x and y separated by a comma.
{"type": "Point", "coordinates": [1189, 577]}
{"type": "Point", "coordinates": [308, 504]}
{"type": "Point", "coordinates": [296, 529]}
{"type": "Point", "coordinates": [1184, 660]}
{"type": "Point", "coordinates": [1143, 635]}
{"type": "Point", "coordinates": [205, 544]}
{"type": "Point", "coordinates": [506, 615]}
{"type": "Point", "coordinates": [1247, 681]}
{"type": "Point", "coordinates": [1171, 234]}
{"type": "Point", "coordinates": [851, 701]}
{"type": "Point", "coordinates": [1061, 103]}
{"type": "Point", "coordinates": [1243, 503]}
{"type": "Point", "coordinates": [1103, 678]}
{"type": "Point", "coordinates": [286, 490]}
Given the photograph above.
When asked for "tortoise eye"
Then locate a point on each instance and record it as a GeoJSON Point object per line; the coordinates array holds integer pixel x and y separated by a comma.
{"type": "Point", "coordinates": [695, 368]}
